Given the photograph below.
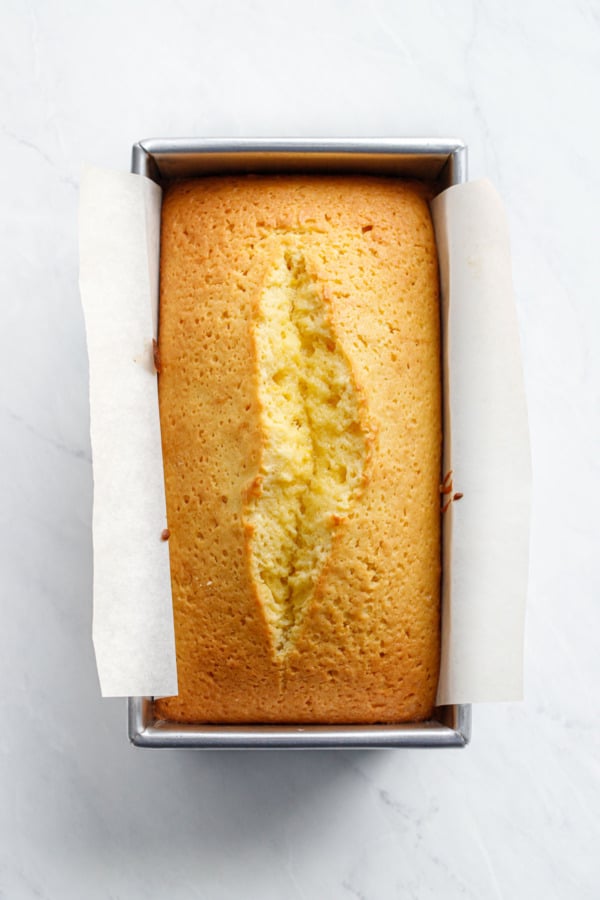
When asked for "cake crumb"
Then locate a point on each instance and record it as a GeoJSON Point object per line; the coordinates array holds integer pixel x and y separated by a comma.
{"type": "Point", "coordinates": [156, 355]}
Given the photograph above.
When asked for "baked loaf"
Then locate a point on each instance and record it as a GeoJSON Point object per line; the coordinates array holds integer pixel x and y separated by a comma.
{"type": "Point", "coordinates": [300, 410]}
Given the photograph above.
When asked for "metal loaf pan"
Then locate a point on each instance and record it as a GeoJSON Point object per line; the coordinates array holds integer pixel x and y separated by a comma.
{"type": "Point", "coordinates": [440, 161]}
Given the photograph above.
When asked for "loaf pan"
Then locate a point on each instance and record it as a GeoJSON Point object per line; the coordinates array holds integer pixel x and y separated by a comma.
{"type": "Point", "coordinates": [441, 162]}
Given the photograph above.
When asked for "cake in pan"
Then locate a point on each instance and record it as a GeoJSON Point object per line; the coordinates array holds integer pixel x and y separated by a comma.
{"type": "Point", "coordinates": [300, 405]}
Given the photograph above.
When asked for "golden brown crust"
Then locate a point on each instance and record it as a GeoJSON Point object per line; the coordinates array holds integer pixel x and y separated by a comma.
{"type": "Point", "coordinates": [368, 648]}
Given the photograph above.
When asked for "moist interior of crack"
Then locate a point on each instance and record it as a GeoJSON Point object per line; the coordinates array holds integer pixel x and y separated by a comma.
{"type": "Point", "coordinates": [314, 447]}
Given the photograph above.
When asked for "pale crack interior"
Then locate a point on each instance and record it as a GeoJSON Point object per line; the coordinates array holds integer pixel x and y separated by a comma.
{"type": "Point", "coordinates": [314, 445]}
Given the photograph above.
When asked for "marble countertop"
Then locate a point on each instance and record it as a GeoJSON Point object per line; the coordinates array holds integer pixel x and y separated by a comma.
{"type": "Point", "coordinates": [83, 814]}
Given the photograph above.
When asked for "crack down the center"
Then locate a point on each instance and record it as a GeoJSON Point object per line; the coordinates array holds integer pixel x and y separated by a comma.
{"type": "Point", "coordinates": [314, 447]}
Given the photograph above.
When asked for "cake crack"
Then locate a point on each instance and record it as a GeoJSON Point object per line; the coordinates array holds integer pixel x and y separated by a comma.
{"type": "Point", "coordinates": [314, 445]}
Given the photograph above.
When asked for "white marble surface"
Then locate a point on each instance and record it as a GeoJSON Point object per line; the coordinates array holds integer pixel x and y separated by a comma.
{"type": "Point", "coordinates": [82, 814]}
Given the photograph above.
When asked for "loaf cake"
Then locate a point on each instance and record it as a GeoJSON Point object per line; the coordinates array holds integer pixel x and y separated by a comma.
{"type": "Point", "coordinates": [300, 406]}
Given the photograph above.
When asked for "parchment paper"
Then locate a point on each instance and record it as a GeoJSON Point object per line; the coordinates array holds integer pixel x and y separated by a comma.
{"type": "Point", "coordinates": [486, 444]}
{"type": "Point", "coordinates": [486, 533]}
{"type": "Point", "coordinates": [119, 227]}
